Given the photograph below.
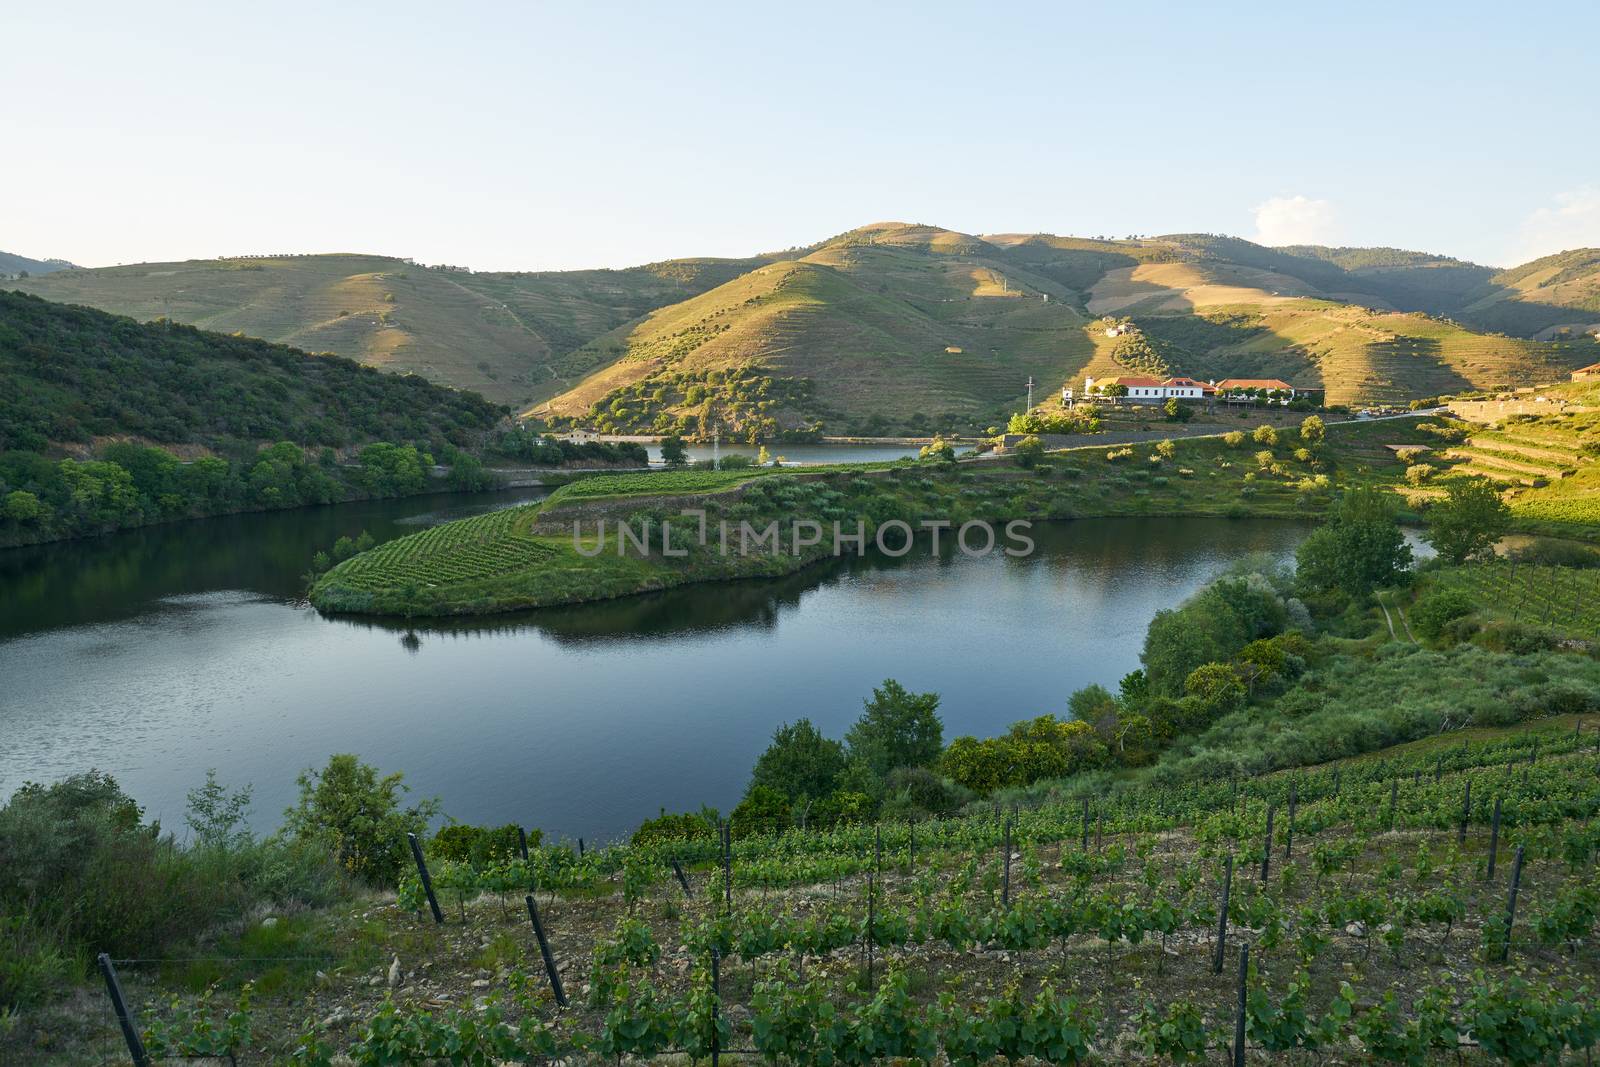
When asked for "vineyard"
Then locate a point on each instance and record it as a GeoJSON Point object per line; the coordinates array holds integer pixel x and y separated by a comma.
{"type": "Point", "coordinates": [1565, 600]}
{"type": "Point", "coordinates": [1433, 903]}
{"type": "Point", "coordinates": [465, 551]}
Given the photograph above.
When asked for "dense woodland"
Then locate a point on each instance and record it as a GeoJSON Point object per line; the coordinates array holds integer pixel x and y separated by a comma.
{"type": "Point", "coordinates": [266, 426]}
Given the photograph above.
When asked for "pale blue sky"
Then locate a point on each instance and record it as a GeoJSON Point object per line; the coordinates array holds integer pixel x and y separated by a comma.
{"type": "Point", "coordinates": [544, 136]}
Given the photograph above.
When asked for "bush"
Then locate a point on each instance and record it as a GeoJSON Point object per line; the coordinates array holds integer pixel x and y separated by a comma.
{"type": "Point", "coordinates": [81, 873]}
{"type": "Point", "coordinates": [348, 809]}
{"type": "Point", "coordinates": [479, 846]}
{"type": "Point", "coordinates": [1435, 610]}
{"type": "Point", "coordinates": [690, 826]}
{"type": "Point", "coordinates": [1233, 439]}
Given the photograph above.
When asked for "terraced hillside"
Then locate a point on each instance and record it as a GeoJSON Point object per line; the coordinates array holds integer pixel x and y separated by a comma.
{"type": "Point", "coordinates": [496, 334]}
{"type": "Point", "coordinates": [887, 327]}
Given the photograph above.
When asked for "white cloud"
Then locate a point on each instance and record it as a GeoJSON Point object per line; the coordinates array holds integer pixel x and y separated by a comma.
{"type": "Point", "coordinates": [1572, 222]}
{"type": "Point", "coordinates": [1296, 220]}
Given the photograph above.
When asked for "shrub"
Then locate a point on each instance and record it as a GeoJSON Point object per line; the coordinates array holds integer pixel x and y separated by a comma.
{"type": "Point", "coordinates": [348, 809]}
{"type": "Point", "coordinates": [1436, 609]}
{"type": "Point", "coordinates": [1418, 473]}
{"type": "Point", "coordinates": [1234, 438]}
{"type": "Point", "coordinates": [1265, 435]}
{"type": "Point", "coordinates": [479, 846]}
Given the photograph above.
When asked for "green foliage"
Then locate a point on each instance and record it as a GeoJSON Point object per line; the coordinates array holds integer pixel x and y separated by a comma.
{"type": "Point", "coordinates": [70, 373]}
{"type": "Point", "coordinates": [1209, 627]}
{"type": "Point", "coordinates": [1071, 421]}
{"type": "Point", "coordinates": [673, 454]}
{"type": "Point", "coordinates": [1436, 609]}
{"type": "Point", "coordinates": [897, 729]}
{"type": "Point", "coordinates": [1358, 548]}
{"type": "Point", "coordinates": [1469, 521]}
{"type": "Point", "coordinates": [800, 763]}
{"type": "Point", "coordinates": [348, 809]}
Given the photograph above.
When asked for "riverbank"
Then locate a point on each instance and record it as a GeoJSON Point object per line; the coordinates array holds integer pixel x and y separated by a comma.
{"type": "Point", "coordinates": [760, 523]}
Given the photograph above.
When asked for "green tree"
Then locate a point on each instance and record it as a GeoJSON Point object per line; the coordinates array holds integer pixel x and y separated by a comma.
{"type": "Point", "coordinates": [1469, 521]}
{"type": "Point", "coordinates": [1265, 435]}
{"type": "Point", "coordinates": [21, 506]}
{"type": "Point", "coordinates": [1028, 450]}
{"type": "Point", "coordinates": [1312, 431]}
{"type": "Point", "coordinates": [673, 454]}
{"type": "Point", "coordinates": [1357, 549]}
{"type": "Point", "coordinates": [348, 809]}
{"type": "Point", "coordinates": [800, 763]}
{"type": "Point", "coordinates": [898, 729]}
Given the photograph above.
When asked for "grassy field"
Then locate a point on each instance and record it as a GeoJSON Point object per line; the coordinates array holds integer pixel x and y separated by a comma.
{"type": "Point", "coordinates": [526, 557]}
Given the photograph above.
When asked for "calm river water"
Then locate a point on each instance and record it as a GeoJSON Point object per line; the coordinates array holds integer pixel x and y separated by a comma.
{"type": "Point", "coordinates": [159, 653]}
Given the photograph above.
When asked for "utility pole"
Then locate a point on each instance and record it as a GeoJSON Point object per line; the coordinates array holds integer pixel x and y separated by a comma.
{"type": "Point", "coordinates": [1030, 392]}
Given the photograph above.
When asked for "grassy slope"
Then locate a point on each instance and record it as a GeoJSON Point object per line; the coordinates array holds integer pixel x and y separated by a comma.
{"type": "Point", "coordinates": [869, 322]}
{"type": "Point", "coordinates": [498, 334]}
{"type": "Point", "coordinates": [489, 563]}
{"type": "Point", "coordinates": [866, 318]}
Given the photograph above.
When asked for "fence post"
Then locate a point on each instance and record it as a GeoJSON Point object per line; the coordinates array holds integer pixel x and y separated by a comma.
{"type": "Point", "coordinates": [716, 1007]}
{"type": "Point", "coordinates": [580, 848]}
{"type": "Point", "coordinates": [1266, 851]}
{"type": "Point", "coordinates": [1222, 916]}
{"type": "Point", "coordinates": [727, 867]}
{"type": "Point", "coordinates": [1494, 838]}
{"type": "Point", "coordinates": [1466, 812]}
{"type": "Point", "coordinates": [872, 924]}
{"type": "Point", "coordinates": [522, 843]}
{"type": "Point", "coordinates": [1085, 845]}
{"type": "Point", "coordinates": [1438, 767]}
{"type": "Point", "coordinates": [911, 847]}
{"type": "Point", "coordinates": [1099, 815]}
{"type": "Point", "coordinates": [130, 1032]}
{"type": "Point", "coordinates": [1288, 838]}
{"type": "Point", "coordinates": [1511, 904]}
{"type": "Point", "coordinates": [1238, 1019]}
{"type": "Point", "coordinates": [1394, 796]}
{"type": "Point", "coordinates": [677, 869]}
{"type": "Point", "coordinates": [1005, 887]}
{"type": "Point", "coordinates": [427, 883]}
{"type": "Point", "coordinates": [544, 950]}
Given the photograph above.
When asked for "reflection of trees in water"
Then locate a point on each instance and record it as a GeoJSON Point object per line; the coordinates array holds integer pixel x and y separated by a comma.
{"type": "Point", "coordinates": [1096, 552]}
{"type": "Point", "coordinates": [107, 579]}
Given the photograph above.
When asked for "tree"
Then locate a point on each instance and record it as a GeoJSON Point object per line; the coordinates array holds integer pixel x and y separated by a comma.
{"type": "Point", "coordinates": [348, 809]}
{"type": "Point", "coordinates": [1312, 431]}
{"type": "Point", "coordinates": [1357, 549]}
{"type": "Point", "coordinates": [21, 506]}
{"type": "Point", "coordinates": [799, 764]}
{"type": "Point", "coordinates": [673, 454]}
{"type": "Point", "coordinates": [1469, 521]}
{"type": "Point", "coordinates": [1166, 449]}
{"type": "Point", "coordinates": [898, 729]}
{"type": "Point", "coordinates": [1265, 435]}
{"type": "Point", "coordinates": [1028, 450]}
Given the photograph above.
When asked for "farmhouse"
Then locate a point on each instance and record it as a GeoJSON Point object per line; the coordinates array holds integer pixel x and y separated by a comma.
{"type": "Point", "coordinates": [1143, 390]}
{"type": "Point", "coordinates": [579, 437]}
{"type": "Point", "coordinates": [1586, 374]}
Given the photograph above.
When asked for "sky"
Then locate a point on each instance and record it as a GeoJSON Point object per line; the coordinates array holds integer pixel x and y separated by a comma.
{"type": "Point", "coordinates": [541, 136]}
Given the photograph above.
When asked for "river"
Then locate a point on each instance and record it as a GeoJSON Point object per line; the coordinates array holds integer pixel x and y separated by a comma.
{"type": "Point", "coordinates": [158, 653]}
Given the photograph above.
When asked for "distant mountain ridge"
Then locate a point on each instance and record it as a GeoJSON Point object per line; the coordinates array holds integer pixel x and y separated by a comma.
{"type": "Point", "coordinates": [14, 266]}
{"type": "Point", "coordinates": [893, 326]}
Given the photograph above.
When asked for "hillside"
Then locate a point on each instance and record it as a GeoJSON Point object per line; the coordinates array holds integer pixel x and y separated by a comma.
{"type": "Point", "coordinates": [886, 327]}
{"type": "Point", "coordinates": [71, 374]}
{"type": "Point", "coordinates": [15, 266]}
{"type": "Point", "coordinates": [891, 327]}
{"type": "Point", "coordinates": [497, 334]}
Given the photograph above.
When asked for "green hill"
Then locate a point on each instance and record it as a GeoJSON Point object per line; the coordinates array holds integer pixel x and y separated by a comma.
{"type": "Point", "coordinates": [497, 334]}
{"type": "Point", "coordinates": [73, 374]}
{"type": "Point", "coordinates": [888, 327]}
{"type": "Point", "coordinates": [892, 327]}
